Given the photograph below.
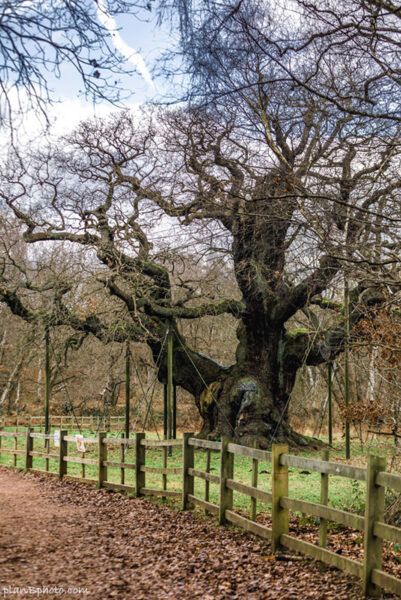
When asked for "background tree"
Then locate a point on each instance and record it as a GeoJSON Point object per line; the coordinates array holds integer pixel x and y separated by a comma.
{"type": "Point", "coordinates": [346, 53]}
{"type": "Point", "coordinates": [368, 32]}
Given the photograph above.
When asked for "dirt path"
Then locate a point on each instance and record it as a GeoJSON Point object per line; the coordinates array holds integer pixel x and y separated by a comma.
{"type": "Point", "coordinates": [69, 535]}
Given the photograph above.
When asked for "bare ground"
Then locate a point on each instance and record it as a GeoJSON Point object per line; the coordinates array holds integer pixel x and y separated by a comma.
{"type": "Point", "coordinates": [70, 535]}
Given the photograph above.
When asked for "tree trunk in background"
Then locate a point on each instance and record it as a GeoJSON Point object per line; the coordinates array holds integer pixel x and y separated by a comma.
{"type": "Point", "coordinates": [11, 384]}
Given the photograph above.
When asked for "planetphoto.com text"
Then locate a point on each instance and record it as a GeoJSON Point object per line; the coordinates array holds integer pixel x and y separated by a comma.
{"type": "Point", "coordinates": [38, 592]}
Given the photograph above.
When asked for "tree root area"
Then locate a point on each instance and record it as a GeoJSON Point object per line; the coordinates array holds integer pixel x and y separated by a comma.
{"type": "Point", "coordinates": [100, 544]}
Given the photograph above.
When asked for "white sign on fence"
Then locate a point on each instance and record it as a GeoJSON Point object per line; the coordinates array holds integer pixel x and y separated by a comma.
{"type": "Point", "coordinates": [80, 443]}
{"type": "Point", "coordinates": [57, 438]}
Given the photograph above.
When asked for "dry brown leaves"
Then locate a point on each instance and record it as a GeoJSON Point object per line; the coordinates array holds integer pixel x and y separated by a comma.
{"type": "Point", "coordinates": [69, 534]}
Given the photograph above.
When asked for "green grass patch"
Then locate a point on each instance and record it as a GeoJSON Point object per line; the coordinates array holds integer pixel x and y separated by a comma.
{"type": "Point", "coordinates": [344, 493]}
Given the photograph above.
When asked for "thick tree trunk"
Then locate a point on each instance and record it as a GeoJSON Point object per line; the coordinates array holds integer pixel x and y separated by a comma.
{"type": "Point", "coordinates": [250, 402]}
{"type": "Point", "coordinates": [242, 406]}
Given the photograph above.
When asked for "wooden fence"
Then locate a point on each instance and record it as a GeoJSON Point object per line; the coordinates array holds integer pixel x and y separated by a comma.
{"type": "Point", "coordinates": [372, 523]}
{"type": "Point", "coordinates": [108, 423]}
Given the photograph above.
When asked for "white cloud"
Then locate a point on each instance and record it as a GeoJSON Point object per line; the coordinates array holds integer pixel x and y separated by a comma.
{"type": "Point", "coordinates": [66, 115]}
{"type": "Point", "coordinates": [63, 117]}
{"type": "Point", "coordinates": [130, 54]}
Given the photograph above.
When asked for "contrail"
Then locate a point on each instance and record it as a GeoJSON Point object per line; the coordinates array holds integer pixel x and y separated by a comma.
{"type": "Point", "coordinates": [130, 54]}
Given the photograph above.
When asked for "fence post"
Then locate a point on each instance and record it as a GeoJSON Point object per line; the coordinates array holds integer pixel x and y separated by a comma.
{"type": "Point", "coordinates": [255, 469]}
{"type": "Point", "coordinates": [15, 448]}
{"type": "Point", "coordinates": [122, 458]}
{"type": "Point", "coordinates": [63, 450]}
{"type": "Point", "coordinates": [187, 463]}
{"type": "Point", "coordinates": [324, 499]}
{"type": "Point", "coordinates": [374, 511]}
{"type": "Point", "coordinates": [207, 483]}
{"type": "Point", "coordinates": [102, 456]}
{"type": "Point", "coordinates": [140, 457]}
{"type": "Point", "coordinates": [279, 489]}
{"type": "Point", "coordinates": [28, 449]}
{"type": "Point", "coordinates": [164, 475]}
{"type": "Point", "coordinates": [226, 472]}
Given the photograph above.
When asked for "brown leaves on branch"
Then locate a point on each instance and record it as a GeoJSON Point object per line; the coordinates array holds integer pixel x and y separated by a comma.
{"type": "Point", "coordinates": [363, 411]}
{"type": "Point", "coordinates": [383, 329]}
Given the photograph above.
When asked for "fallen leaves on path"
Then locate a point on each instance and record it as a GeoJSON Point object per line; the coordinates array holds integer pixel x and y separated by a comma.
{"type": "Point", "coordinates": [69, 534]}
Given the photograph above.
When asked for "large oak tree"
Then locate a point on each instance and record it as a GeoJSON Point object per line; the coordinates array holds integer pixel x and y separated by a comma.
{"type": "Point", "coordinates": [291, 189]}
{"type": "Point", "coordinates": [288, 207]}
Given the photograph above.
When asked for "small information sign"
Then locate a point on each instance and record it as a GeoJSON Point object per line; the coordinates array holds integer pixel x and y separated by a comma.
{"type": "Point", "coordinates": [57, 438]}
{"type": "Point", "coordinates": [80, 443]}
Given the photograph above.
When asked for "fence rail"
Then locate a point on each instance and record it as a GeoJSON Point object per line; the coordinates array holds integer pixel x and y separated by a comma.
{"type": "Point", "coordinates": [108, 423]}
{"type": "Point", "coordinates": [323, 466]}
{"type": "Point", "coordinates": [277, 498]}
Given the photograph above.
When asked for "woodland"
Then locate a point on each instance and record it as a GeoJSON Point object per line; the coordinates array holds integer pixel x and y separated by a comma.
{"type": "Point", "coordinates": [253, 213]}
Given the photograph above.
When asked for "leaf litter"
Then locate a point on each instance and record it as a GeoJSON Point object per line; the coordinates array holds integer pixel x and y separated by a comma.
{"type": "Point", "coordinates": [68, 534]}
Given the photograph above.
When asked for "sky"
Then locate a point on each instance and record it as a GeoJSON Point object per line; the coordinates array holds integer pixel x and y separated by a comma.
{"type": "Point", "coordinates": [141, 41]}
{"type": "Point", "coordinates": [133, 56]}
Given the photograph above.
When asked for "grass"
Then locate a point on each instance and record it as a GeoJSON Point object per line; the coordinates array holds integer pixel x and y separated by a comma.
{"type": "Point", "coordinates": [344, 493]}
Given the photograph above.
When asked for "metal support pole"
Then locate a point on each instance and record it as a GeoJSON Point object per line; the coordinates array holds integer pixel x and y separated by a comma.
{"type": "Point", "coordinates": [175, 412]}
{"type": "Point", "coordinates": [127, 389]}
{"type": "Point", "coordinates": [165, 411]}
{"type": "Point", "coordinates": [47, 390]}
{"type": "Point", "coordinates": [47, 378]}
{"type": "Point", "coordinates": [170, 390]}
{"type": "Point", "coordinates": [330, 401]}
{"type": "Point", "coordinates": [346, 365]}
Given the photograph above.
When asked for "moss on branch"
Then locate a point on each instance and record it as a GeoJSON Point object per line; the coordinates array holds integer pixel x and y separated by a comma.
{"type": "Point", "coordinates": [233, 307]}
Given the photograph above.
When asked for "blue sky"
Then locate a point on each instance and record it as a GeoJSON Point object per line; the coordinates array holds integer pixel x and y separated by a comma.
{"type": "Point", "coordinates": [141, 36]}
